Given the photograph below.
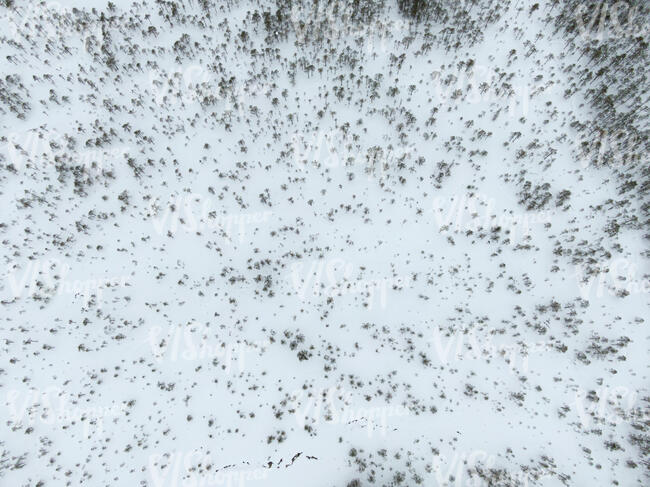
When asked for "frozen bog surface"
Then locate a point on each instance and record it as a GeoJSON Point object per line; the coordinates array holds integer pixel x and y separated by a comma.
{"type": "Point", "coordinates": [337, 244]}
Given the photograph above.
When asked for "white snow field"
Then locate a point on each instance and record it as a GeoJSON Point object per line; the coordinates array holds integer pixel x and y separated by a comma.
{"type": "Point", "coordinates": [329, 244]}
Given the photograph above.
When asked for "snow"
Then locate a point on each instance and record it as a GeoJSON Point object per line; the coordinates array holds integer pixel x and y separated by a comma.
{"type": "Point", "coordinates": [245, 289]}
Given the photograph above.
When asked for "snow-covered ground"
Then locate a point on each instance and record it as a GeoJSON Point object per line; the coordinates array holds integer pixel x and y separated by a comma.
{"type": "Point", "coordinates": [330, 246]}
